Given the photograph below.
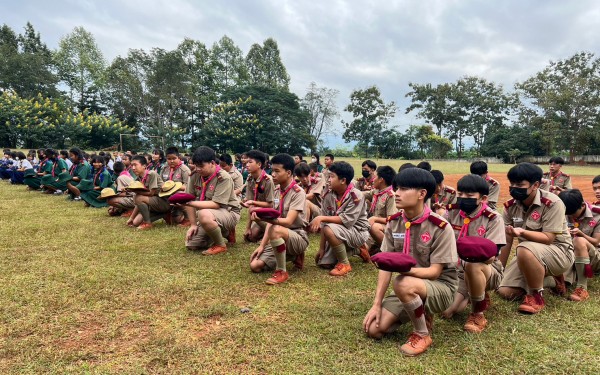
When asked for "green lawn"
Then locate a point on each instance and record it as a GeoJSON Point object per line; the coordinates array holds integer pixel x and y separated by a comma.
{"type": "Point", "coordinates": [82, 293]}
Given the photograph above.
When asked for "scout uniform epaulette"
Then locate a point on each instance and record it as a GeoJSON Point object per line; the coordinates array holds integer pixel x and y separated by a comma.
{"type": "Point", "coordinates": [219, 177]}
{"type": "Point", "coordinates": [297, 188]}
{"type": "Point", "coordinates": [489, 213]}
{"type": "Point", "coordinates": [595, 209]}
{"type": "Point", "coordinates": [448, 189]}
{"type": "Point", "coordinates": [437, 221]}
{"type": "Point", "coordinates": [546, 202]}
{"type": "Point", "coordinates": [395, 216]}
{"type": "Point", "coordinates": [390, 193]}
{"type": "Point", "coordinates": [452, 206]}
{"type": "Point", "coordinates": [492, 181]}
{"type": "Point", "coordinates": [354, 197]}
{"type": "Point", "coordinates": [596, 203]}
{"type": "Point", "coordinates": [510, 203]}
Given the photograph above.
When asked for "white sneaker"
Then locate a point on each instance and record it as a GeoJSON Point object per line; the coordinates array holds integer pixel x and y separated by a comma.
{"type": "Point", "coordinates": [77, 198]}
{"type": "Point", "coordinates": [58, 192]}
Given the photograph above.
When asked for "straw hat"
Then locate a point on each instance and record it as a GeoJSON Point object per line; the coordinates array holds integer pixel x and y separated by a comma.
{"type": "Point", "coordinates": [107, 193]}
{"type": "Point", "coordinates": [136, 185]}
{"type": "Point", "coordinates": [169, 188]}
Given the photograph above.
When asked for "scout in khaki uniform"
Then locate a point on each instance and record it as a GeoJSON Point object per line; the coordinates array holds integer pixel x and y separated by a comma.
{"type": "Point", "coordinates": [443, 196]}
{"type": "Point", "coordinates": [555, 180]}
{"type": "Point", "coordinates": [80, 170]}
{"type": "Point", "coordinates": [584, 224]}
{"type": "Point", "coordinates": [226, 163]}
{"type": "Point", "coordinates": [175, 170]}
{"type": "Point", "coordinates": [260, 193]}
{"type": "Point", "coordinates": [122, 202]}
{"type": "Point", "coordinates": [313, 187]}
{"type": "Point", "coordinates": [284, 236]}
{"type": "Point", "coordinates": [428, 288]}
{"type": "Point", "coordinates": [472, 217]}
{"type": "Point", "coordinates": [596, 188]}
{"type": "Point", "coordinates": [329, 159]}
{"type": "Point", "coordinates": [480, 168]}
{"type": "Point", "coordinates": [216, 211]}
{"type": "Point", "coordinates": [365, 183]}
{"type": "Point", "coordinates": [343, 222]}
{"type": "Point", "coordinates": [382, 205]}
{"type": "Point", "coordinates": [148, 205]}
{"type": "Point", "coordinates": [537, 218]}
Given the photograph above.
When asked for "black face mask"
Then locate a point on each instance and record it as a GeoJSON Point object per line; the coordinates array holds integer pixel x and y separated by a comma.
{"type": "Point", "coordinates": [518, 193]}
{"type": "Point", "coordinates": [366, 174]}
{"type": "Point", "coordinates": [467, 205]}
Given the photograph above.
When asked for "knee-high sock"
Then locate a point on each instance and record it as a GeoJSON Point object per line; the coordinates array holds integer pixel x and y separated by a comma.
{"type": "Point", "coordinates": [279, 249]}
{"type": "Point", "coordinates": [416, 313]}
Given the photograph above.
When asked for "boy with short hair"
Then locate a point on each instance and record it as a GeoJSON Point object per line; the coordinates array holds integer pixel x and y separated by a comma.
{"type": "Point", "coordinates": [329, 159]}
{"type": "Point", "coordinates": [216, 211]}
{"type": "Point", "coordinates": [226, 162]}
{"type": "Point", "coordinates": [480, 168]}
{"type": "Point", "coordinates": [429, 287]}
{"type": "Point", "coordinates": [555, 180]}
{"type": "Point", "coordinates": [584, 224]}
{"type": "Point", "coordinates": [175, 170]}
{"type": "Point", "coordinates": [596, 188]}
{"type": "Point", "coordinates": [443, 196]}
{"type": "Point", "coordinates": [313, 187]}
{"type": "Point", "coordinates": [537, 218]}
{"type": "Point", "coordinates": [365, 182]}
{"type": "Point", "coordinates": [471, 217]}
{"type": "Point", "coordinates": [126, 159]}
{"type": "Point", "coordinates": [424, 165]}
{"type": "Point", "coordinates": [343, 222]}
{"type": "Point", "coordinates": [284, 235]}
{"type": "Point", "coordinates": [382, 204]}
{"type": "Point", "coordinates": [260, 192]}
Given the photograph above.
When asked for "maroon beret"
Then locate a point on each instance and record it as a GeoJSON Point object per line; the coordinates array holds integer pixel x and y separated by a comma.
{"type": "Point", "coordinates": [267, 213]}
{"type": "Point", "coordinates": [393, 261]}
{"type": "Point", "coordinates": [476, 249]}
{"type": "Point", "coordinates": [181, 198]}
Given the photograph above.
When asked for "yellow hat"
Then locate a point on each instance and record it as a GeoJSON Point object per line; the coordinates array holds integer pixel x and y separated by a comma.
{"type": "Point", "coordinates": [136, 185]}
{"type": "Point", "coordinates": [107, 193]}
{"type": "Point", "coordinates": [169, 188]}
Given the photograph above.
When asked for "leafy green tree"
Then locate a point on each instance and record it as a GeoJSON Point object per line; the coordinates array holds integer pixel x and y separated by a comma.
{"type": "Point", "coordinates": [265, 66]}
{"type": "Point", "coordinates": [503, 141]}
{"type": "Point", "coordinates": [371, 116]}
{"type": "Point", "coordinates": [320, 102]}
{"type": "Point", "coordinates": [229, 65]}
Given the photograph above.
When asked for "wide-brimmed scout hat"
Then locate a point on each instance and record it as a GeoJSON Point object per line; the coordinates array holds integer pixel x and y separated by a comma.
{"type": "Point", "coordinates": [169, 188]}
{"type": "Point", "coordinates": [64, 177]}
{"type": "Point", "coordinates": [393, 261]}
{"type": "Point", "coordinates": [107, 193]}
{"type": "Point", "coordinates": [136, 186]}
{"type": "Point", "coordinates": [85, 185]}
{"type": "Point", "coordinates": [29, 173]}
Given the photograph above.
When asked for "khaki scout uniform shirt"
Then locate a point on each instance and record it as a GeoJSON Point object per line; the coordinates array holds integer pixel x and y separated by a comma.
{"type": "Point", "coordinates": [447, 196]}
{"type": "Point", "coordinates": [589, 221]}
{"type": "Point", "coordinates": [489, 225]}
{"type": "Point", "coordinates": [365, 184]}
{"type": "Point", "coordinates": [123, 181]}
{"type": "Point", "coordinates": [546, 214]}
{"type": "Point", "coordinates": [385, 206]}
{"type": "Point", "coordinates": [352, 211]}
{"type": "Point", "coordinates": [265, 192]}
{"type": "Point", "coordinates": [295, 199]}
{"type": "Point", "coordinates": [219, 190]}
{"type": "Point", "coordinates": [153, 180]}
{"type": "Point", "coordinates": [238, 179]}
{"type": "Point", "coordinates": [316, 187]}
{"type": "Point", "coordinates": [494, 194]}
{"type": "Point", "coordinates": [180, 174]}
{"type": "Point", "coordinates": [431, 242]}
{"type": "Point", "coordinates": [561, 180]}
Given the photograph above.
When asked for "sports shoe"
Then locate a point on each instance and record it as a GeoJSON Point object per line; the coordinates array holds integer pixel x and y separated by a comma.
{"type": "Point", "coordinates": [341, 269]}
{"type": "Point", "coordinates": [476, 323]}
{"type": "Point", "coordinates": [185, 223]}
{"type": "Point", "coordinates": [299, 262]}
{"type": "Point", "coordinates": [214, 250]}
{"type": "Point", "coordinates": [579, 295]}
{"type": "Point", "coordinates": [364, 253]}
{"type": "Point", "coordinates": [279, 277]}
{"type": "Point", "coordinates": [560, 289]}
{"type": "Point", "coordinates": [231, 236]}
{"type": "Point", "coordinates": [127, 214]}
{"type": "Point", "coordinates": [145, 226]}
{"type": "Point", "coordinates": [58, 192]}
{"type": "Point", "coordinates": [532, 304]}
{"type": "Point", "coordinates": [416, 344]}
{"type": "Point", "coordinates": [77, 199]}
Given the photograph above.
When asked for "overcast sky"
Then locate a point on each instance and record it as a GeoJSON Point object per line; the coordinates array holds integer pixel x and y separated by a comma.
{"type": "Point", "coordinates": [342, 44]}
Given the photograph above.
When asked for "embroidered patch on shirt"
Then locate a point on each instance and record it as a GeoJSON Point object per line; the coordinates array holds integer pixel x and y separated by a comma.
{"type": "Point", "coordinates": [535, 215]}
{"type": "Point", "coordinates": [211, 187]}
{"type": "Point", "coordinates": [592, 223]}
{"type": "Point", "coordinates": [398, 236]}
{"type": "Point", "coordinates": [426, 237]}
{"type": "Point", "coordinates": [481, 231]}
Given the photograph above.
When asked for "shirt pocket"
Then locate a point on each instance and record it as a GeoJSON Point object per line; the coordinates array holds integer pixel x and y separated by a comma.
{"type": "Point", "coordinates": [533, 225]}
{"type": "Point", "coordinates": [422, 251]}
{"type": "Point", "coordinates": [398, 244]}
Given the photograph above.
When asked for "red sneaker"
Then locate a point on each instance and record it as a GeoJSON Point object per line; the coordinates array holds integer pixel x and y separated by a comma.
{"type": "Point", "coordinates": [127, 214]}
{"type": "Point", "coordinates": [231, 236]}
{"type": "Point", "coordinates": [532, 304]}
{"type": "Point", "coordinates": [214, 250]}
{"type": "Point", "coordinates": [579, 295]}
{"type": "Point", "coordinates": [299, 262]}
{"type": "Point", "coordinates": [341, 269]}
{"type": "Point", "coordinates": [560, 289]}
{"type": "Point", "coordinates": [476, 323]}
{"type": "Point", "coordinates": [364, 253]}
{"type": "Point", "coordinates": [416, 344]}
{"type": "Point", "coordinates": [279, 277]}
{"type": "Point", "coordinates": [185, 223]}
{"type": "Point", "coordinates": [145, 226]}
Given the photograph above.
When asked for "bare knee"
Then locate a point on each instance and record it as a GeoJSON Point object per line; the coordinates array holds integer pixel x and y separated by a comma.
{"type": "Point", "coordinates": [205, 218]}
{"type": "Point", "coordinates": [257, 265]}
{"type": "Point", "coordinates": [509, 293]}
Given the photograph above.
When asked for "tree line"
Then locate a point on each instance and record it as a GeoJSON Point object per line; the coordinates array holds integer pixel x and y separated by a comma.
{"type": "Point", "coordinates": [197, 94]}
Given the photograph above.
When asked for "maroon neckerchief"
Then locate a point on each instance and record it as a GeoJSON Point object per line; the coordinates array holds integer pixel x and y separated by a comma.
{"type": "Point", "coordinates": [172, 170]}
{"type": "Point", "coordinates": [408, 224]}
{"type": "Point", "coordinates": [72, 171]}
{"type": "Point", "coordinates": [262, 176]}
{"type": "Point", "coordinates": [464, 231]}
{"type": "Point", "coordinates": [553, 177]}
{"type": "Point", "coordinates": [207, 181]}
{"type": "Point", "coordinates": [143, 180]}
{"type": "Point", "coordinates": [376, 198]}
{"type": "Point", "coordinates": [338, 203]}
{"type": "Point", "coordinates": [282, 195]}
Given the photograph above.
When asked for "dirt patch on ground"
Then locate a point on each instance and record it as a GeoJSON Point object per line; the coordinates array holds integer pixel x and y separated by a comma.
{"type": "Point", "coordinates": [583, 183]}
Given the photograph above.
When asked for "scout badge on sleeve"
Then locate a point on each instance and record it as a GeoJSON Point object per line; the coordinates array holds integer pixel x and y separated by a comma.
{"type": "Point", "coordinates": [476, 249]}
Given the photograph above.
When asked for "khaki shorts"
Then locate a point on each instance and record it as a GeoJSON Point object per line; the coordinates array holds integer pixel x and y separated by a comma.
{"type": "Point", "coordinates": [158, 204]}
{"type": "Point", "coordinates": [351, 237]}
{"type": "Point", "coordinates": [124, 203]}
{"type": "Point", "coordinates": [227, 221]}
{"type": "Point", "coordinates": [555, 261]}
{"type": "Point", "coordinates": [492, 283]}
{"type": "Point", "coordinates": [296, 244]}
{"type": "Point", "coordinates": [440, 296]}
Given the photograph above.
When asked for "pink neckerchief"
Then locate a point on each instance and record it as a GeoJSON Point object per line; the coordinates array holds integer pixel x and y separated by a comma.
{"type": "Point", "coordinates": [339, 202]}
{"type": "Point", "coordinates": [467, 220]}
{"type": "Point", "coordinates": [73, 167]}
{"type": "Point", "coordinates": [408, 224]}
{"type": "Point", "coordinates": [172, 170]}
{"type": "Point", "coordinates": [263, 174]}
{"type": "Point", "coordinates": [207, 181]}
{"type": "Point", "coordinates": [143, 181]}
{"type": "Point", "coordinates": [125, 173]}
{"type": "Point", "coordinates": [376, 198]}
{"type": "Point", "coordinates": [282, 195]}
{"type": "Point", "coordinates": [54, 165]}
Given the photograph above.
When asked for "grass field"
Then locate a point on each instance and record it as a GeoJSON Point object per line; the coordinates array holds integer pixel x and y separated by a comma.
{"type": "Point", "coordinates": [82, 293]}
